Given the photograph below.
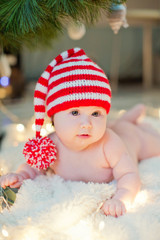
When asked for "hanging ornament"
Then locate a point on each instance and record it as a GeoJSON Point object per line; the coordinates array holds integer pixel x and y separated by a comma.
{"type": "Point", "coordinates": [76, 30]}
{"type": "Point", "coordinates": [117, 17]}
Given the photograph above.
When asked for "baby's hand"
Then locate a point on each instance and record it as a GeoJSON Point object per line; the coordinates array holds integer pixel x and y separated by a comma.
{"type": "Point", "coordinates": [13, 180]}
{"type": "Point", "coordinates": [113, 207]}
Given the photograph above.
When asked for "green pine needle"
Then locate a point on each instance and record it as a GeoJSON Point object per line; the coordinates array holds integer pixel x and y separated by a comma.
{"type": "Point", "coordinates": [40, 21]}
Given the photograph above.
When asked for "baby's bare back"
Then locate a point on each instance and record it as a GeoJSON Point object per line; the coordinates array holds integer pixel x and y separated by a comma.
{"type": "Point", "coordinates": [140, 141]}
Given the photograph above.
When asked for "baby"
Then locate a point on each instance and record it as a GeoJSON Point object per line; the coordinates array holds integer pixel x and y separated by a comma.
{"type": "Point", "coordinates": [86, 149]}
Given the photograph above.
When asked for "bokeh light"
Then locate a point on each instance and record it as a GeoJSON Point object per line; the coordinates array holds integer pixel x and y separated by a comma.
{"type": "Point", "coordinates": [4, 81]}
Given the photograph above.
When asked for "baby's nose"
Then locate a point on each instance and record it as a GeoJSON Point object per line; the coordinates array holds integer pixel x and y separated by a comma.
{"type": "Point", "coordinates": [85, 122]}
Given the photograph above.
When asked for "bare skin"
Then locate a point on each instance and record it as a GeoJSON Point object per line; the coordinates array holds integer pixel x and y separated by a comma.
{"type": "Point", "coordinates": [98, 154]}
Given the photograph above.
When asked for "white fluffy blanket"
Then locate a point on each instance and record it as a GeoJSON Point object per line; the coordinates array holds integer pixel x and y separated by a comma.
{"type": "Point", "coordinates": [53, 209]}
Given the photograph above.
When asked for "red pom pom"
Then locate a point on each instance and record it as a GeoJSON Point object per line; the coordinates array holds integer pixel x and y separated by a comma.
{"type": "Point", "coordinates": [40, 152]}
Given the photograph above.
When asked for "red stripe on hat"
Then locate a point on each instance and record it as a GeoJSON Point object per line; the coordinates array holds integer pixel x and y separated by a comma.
{"type": "Point", "coordinates": [71, 78]}
{"type": "Point", "coordinates": [79, 103]}
{"type": "Point", "coordinates": [77, 67]}
{"type": "Point", "coordinates": [39, 122]}
{"type": "Point", "coordinates": [76, 90]}
{"type": "Point", "coordinates": [39, 94]}
{"type": "Point", "coordinates": [71, 60]}
{"type": "Point", "coordinates": [37, 134]}
{"type": "Point", "coordinates": [43, 81]}
{"type": "Point", "coordinates": [79, 53]}
{"type": "Point", "coordinates": [39, 108]}
{"type": "Point", "coordinates": [49, 68]}
{"type": "Point", "coordinates": [70, 52]}
{"type": "Point", "coordinates": [59, 59]}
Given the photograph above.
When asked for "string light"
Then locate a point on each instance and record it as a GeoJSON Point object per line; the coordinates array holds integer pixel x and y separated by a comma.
{"type": "Point", "coordinates": [20, 127]}
{"type": "Point", "coordinates": [33, 127]}
{"type": "Point", "coordinates": [4, 81]}
{"type": "Point", "coordinates": [141, 197]}
{"type": "Point", "coordinates": [49, 127]}
{"type": "Point", "coordinates": [5, 232]}
{"type": "Point", "coordinates": [101, 225]}
{"type": "Point", "coordinates": [43, 132]}
{"type": "Point", "coordinates": [31, 234]}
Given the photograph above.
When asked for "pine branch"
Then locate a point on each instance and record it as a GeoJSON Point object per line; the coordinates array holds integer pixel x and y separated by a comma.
{"type": "Point", "coordinates": [23, 21]}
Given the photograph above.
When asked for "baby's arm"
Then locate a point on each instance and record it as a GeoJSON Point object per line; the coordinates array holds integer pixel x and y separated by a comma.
{"type": "Point", "coordinates": [125, 171]}
{"type": "Point", "coordinates": [15, 180]}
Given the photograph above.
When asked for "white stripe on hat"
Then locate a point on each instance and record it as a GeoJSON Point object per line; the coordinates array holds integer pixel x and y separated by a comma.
{"type": "Point", "coordinates": [40, 115]}
{"type": "Point", "coordinates": [53, 63]}
{"type": "Point", "coordinates": [45, 75]}
{"type": "Point", "coordinates": [64, 55]}
{"type": "Point", "coordinates": [71, 64]}
{"type": "Point", "coordinates": [38, 101]}
{"type": "Point", "coordinates": [79, 96]}
{"type": "Point", "coordinates": [78, 83]}
{"type": "Point", "coordinates": [76, 72]}
{"type": "Point", "coordinates": [41, 88]}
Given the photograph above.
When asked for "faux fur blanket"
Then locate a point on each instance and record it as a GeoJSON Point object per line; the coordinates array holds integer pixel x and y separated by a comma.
{"type": "Point", "coordinates": [53, 209]}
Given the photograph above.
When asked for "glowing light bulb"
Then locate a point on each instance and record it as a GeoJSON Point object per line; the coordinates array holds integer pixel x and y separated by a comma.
{"type": "Point", "coordinates": [49, 127]}
{"type": "Point", "coordinates": [101, 225]}
{"type": "Point", "coordinates": [43, 132]}
{"type": "Point", "coordinates": [20, 127]}
{"type": "Point", "coordinates": [4, 232]}
{"type": "Point", "coordinates": [121, 112]}
{"type": "Point", "coordinates": [31, 233]}
{"type": "Point", "coordinates": [4, 81]}
{"type": "Point", "coordinates": [141, 197]}
{"type": "Point", "coordinates": [33, 127]}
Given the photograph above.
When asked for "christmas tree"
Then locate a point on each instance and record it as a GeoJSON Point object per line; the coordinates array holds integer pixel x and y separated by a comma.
{"type": "Point", "coordinates": [35, 22]}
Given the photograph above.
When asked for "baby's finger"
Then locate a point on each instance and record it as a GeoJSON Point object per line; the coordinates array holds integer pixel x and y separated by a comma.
{"type": "Point", "coordinates": [112, 210]}
{"type": "Point", "coordinates": [105, 209]}
{"type": "Point", "coordinates": [118, 210]}
{"type": "Point", "coordinates": [12, 179]}
{"type": "Point", "coordinates": [16, 185]}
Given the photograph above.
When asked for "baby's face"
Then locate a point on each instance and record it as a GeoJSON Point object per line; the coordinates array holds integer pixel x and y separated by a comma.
{"type": "Point", "coordinates": [79, 127]}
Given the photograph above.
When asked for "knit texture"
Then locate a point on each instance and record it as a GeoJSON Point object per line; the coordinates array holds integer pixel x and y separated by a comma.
{"type": "Point", "coordinates": [70, 80]}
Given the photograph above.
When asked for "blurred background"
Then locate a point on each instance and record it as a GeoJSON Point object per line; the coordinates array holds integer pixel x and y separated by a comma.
{"type": "Point", "coordinates": [130, 59]}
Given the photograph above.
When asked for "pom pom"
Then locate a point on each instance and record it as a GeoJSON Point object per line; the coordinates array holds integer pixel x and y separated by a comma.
{"type": "Point", "coordinates": [40, 152]}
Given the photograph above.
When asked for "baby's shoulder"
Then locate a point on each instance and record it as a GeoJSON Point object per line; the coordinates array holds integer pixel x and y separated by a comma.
{"type": "Point", "coordinates": [110, 135]}
{"type": "Point", "coordinates": [112, 141]}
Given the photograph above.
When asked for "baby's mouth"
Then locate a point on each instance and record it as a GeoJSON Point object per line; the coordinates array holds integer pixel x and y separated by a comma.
{"type": "Point", "coordinates": [85, 135]}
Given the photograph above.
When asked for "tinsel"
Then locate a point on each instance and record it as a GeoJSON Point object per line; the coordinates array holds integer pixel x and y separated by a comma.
{"type": "Point", "coordinates": [35, 22]}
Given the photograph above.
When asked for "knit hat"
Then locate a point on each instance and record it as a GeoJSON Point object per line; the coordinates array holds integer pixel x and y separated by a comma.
{"type": "Point", "coordinates": [70, 80]}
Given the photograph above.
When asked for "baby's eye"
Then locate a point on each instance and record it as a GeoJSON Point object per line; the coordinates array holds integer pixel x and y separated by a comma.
{"type": "Point", "coordinates": [96, 114]}
{"type": "Point", "coordinates": [74, 112]}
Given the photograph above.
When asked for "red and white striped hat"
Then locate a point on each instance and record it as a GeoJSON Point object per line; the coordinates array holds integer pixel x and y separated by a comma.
{"type": "Point", "coordinates": [70, 80]}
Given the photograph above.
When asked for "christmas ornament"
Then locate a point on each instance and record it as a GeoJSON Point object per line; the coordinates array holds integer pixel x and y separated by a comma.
{"type": "Point", "coordinates": [76, 30]}
{"type": "Point", "coordinates": [117, 17]}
